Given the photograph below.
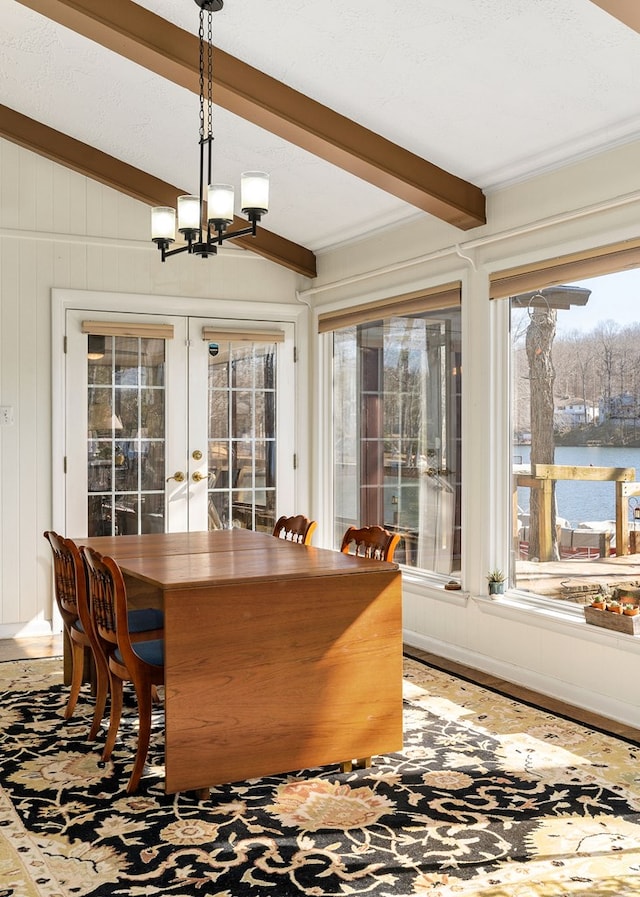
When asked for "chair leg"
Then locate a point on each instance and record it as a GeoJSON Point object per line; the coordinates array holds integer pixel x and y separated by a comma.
{"type": "Point", "coordinates": [77, 655]}
{"type": "Point", "coordinates": [114, 716]}
{"type": "Point", "coordinates": [102, 690]}
{"type": "Point", "coordinates": [144, 697]}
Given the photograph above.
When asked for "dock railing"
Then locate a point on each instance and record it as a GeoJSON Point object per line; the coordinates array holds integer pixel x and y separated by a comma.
{"type": "Point", "coordinates": [545, 475]}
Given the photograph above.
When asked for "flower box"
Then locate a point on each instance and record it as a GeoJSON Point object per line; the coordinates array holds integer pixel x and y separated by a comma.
{"type": "Point", "coordinates": [616, 622]}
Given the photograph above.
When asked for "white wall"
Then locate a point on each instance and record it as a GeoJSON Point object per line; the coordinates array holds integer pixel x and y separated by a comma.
{"type": "Point", "coordinates": [59, 230]}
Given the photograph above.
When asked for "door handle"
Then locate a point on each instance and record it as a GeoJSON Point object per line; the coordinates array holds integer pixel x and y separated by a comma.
{"type": "Point", "coordinates": [178, 476]}
{"type": "Point", "coordinates": [196, 476]}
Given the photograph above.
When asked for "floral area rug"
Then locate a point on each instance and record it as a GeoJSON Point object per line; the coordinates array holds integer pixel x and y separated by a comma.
{"type": "Point", "coordinates": [489, 797]}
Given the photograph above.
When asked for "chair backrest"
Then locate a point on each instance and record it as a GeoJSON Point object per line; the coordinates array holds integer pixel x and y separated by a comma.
{"type": "Point", "coordinates": [370, 542]}
{"type": "Point", "coordinates": [108, 602]}
{"type": "Point", "coordinates": [295, 529]}
{"type": "Point", "coordinates": [70, 586]}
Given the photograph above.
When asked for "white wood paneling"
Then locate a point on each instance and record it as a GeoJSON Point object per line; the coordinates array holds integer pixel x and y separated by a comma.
{"type": "Point", "coordinates": [9, 444]}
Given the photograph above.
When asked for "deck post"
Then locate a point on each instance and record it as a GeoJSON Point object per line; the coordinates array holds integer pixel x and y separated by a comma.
{"type": "Point", "coordinates": [622, 520]}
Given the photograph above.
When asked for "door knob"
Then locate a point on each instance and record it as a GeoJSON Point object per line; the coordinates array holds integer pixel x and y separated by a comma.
{"type": "Point", "coordinates": [178, 476]}
{"type": "Point", "coordinates": [196, 476]}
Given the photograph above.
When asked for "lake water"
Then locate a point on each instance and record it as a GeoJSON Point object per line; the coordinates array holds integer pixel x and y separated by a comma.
{"type": "Point", "coordinates": [579, 502]}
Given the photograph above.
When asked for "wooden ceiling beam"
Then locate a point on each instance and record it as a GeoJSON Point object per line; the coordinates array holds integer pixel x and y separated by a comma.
{"type": "Point", "coordinates": [93, 163]}
{"type": "Point", "coordinates": [627, 11]}
{"type": "Point", "coordinates": [150, 41]}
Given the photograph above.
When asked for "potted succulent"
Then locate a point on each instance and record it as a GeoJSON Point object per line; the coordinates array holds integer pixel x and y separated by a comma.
{"type": "Point", "coordinates": [599, 602]}
{"type": "Point", "coordinates": [496, 579]}
{"type": "Point", "coordinates": [614, 606]}
{"type": "Point", "coordinates": [630, 610]}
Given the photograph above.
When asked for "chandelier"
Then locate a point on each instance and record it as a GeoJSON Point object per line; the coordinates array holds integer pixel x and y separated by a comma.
{"type": "Point", "coordinates": [218, 215]}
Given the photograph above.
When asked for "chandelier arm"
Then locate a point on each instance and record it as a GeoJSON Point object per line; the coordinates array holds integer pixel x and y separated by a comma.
{"type": "Point", "coordinates": [167, 252]}
{"type": "Point", "coordinates": [243, 232]}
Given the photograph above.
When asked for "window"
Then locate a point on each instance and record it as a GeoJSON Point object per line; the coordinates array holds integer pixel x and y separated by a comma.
{"type": "Point", "coordinates": [396, 423]}
{"type": "Point", "coordinates": [125, 428]}
{"type": "Point", "coordinates": [576, 432]}
{"type": "Point", "coordinates": [242, 435]}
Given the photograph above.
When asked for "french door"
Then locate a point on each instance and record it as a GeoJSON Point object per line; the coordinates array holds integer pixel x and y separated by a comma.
{"type": "Point", "coordinates": [176, 424]}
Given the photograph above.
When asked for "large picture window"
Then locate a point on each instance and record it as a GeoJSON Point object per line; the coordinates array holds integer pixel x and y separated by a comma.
{"type": "Point", "coordinates": [576, 430]}
{"type": "Point", "coordinates": [397, 394]}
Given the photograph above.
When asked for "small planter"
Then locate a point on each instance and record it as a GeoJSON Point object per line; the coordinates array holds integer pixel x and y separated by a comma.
{"type": "Point", "coordinates": [496, 579]}
{"type": "Point", "coordinates": [617, 622]}
{"type": "Point", "coordinates": [631, 610]}
{"type": "Point", "coordinates": [614, 608]}
{"type": "Point", "coordinates": [598, 605]}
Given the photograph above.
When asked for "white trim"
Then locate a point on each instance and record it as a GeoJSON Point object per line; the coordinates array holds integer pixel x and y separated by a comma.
{"type": "Point", "coordinates": [184, 306]}
{"type": "Point", "coordinates": [34, 628]}
{"type": "Point", "coordinates": [323, 405]}
{"type": "Point", "coordinates": [478, 242]}
{"type": "Point", "coordinates": [227, 251]}
{"type": "Point", "coordinates": [140, 304]}
{"type": "Point", "coordinates": [424, 583]}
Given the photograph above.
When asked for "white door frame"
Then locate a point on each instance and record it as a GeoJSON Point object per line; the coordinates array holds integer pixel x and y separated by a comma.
{"type": "Point", "coordinates": [223, 310]}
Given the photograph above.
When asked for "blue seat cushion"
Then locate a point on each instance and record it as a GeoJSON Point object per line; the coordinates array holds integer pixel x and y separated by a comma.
{"type": "Point", "coordinates": [145, 619]}
{"type": "Point", "coordinates": [151, 652]}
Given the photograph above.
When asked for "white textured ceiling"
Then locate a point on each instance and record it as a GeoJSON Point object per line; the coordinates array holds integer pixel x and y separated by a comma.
{"type": "Point", "coordinates": [491, 90]}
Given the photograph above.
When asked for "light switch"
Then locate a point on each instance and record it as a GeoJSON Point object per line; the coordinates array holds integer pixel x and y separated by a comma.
{"type": "Point", "coordinates": [6, 415]}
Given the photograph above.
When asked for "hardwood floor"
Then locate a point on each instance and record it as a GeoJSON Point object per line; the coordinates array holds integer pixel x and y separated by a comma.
{"type": "Point", "coordinates": [27, 648]}
{"type": "Point", "coordinates": [51, 646]}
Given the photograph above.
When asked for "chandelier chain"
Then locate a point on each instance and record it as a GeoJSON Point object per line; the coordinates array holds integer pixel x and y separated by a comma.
{"type": "Point", "coordinates": [210, 74]}
{"type": "Point", "coordinates": [201, 39]}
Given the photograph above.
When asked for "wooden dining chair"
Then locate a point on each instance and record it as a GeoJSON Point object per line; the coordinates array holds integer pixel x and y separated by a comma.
{"type": "Point", "coordinates": [140, 662]}
{"type": "Point", "coordinates": [295, 529]}
{"type": "Point", "coordinates": [370, 542]}
{"type": "Point", "coordinates": [377, 543]}
{"type": "Point", "coordinates": [70, 590]}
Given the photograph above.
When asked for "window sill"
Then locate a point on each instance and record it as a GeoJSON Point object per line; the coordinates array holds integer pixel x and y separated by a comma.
{"type": "Point", "coordinates": [545, 613]}
{"type": "Point", "coordinates": [434, 586]}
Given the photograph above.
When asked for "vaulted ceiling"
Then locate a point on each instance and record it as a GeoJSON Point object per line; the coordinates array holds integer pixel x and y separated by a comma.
{"type": "Point", "coordinates": [365, 113]}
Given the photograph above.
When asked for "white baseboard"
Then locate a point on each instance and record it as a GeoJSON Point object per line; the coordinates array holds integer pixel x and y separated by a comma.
{"type": "Point", "coordinates": [604, 705]}
{"type": "Point", "coordinates": [27, 630]}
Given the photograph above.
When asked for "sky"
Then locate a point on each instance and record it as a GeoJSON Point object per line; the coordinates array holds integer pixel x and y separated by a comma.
{"type": "Point", "coordinates": [614, 297]}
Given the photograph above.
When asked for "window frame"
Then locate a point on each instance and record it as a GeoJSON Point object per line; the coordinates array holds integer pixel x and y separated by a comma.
{"type": "Point", "coordinates": [442, 296]}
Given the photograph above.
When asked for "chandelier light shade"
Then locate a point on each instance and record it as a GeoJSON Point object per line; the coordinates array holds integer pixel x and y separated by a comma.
{"type": "Point", "coordinates": [254, 193]}
{"type": "Point", "coordinates": [163, 224]}
{"type": "Point", "coordinates": [189, 217]}
{"type": "Point", "coordinates": [220, 204]}
{"type": "Point", "coordinates": [204, 227]}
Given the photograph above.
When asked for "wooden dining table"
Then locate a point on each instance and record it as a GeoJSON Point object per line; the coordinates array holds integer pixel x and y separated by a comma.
{"type": "Point", "coordinates": [278, 656]}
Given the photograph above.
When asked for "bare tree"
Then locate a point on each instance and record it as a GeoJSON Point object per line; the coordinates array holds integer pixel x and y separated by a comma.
{"type": "Point", "coordinates": [606, 335]}
{"type": "Point", "coordinates": [540, 335]}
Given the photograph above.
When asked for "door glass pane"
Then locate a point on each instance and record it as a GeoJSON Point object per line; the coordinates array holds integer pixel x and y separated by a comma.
{"type": "Point", "coordinates": [242, 436]}
{"type": "Point", "coordinates": [397, 394]}
{"type": "Point", "coordinates": [125, 439]}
